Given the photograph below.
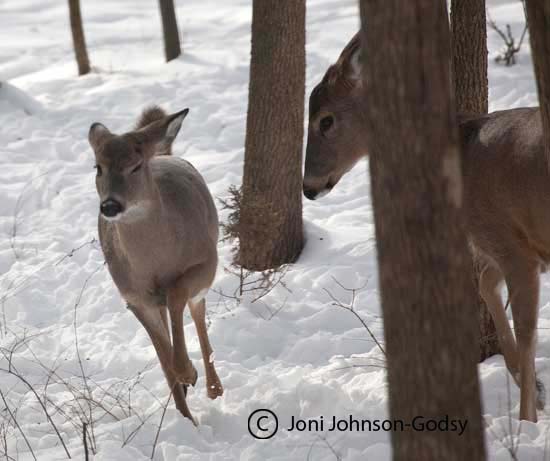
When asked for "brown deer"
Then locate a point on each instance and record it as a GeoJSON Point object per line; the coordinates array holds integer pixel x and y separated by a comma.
{"type": "Point", "coordinates": [506, 201]}
{"type": "Point", "coordinates": [158, 228]}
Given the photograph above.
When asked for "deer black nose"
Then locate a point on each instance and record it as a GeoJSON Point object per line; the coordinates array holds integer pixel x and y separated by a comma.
{"type": "Point", "coordinates": [310, 193]}
{"type": "Point", "coordinates": [110, 208]}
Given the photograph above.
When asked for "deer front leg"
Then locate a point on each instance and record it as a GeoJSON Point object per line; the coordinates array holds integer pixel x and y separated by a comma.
{"type": "Point", "coordinates": [153, 320]}
{"type": "Point", "coordinates": [214, 386]}
{"type": "Point", "coordinates": [523, 286]}
{"type": "Point", "coordinates": [181, 363]}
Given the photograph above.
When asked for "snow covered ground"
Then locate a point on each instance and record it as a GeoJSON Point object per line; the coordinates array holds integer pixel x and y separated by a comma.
{"type": "Point", "coordinates": [293, 351]}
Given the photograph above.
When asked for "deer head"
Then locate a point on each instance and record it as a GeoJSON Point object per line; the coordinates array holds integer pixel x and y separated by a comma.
{"type": "Point", "coordinates": [336, 134]}
{"type": "Point", "coordinates": [124, 181]}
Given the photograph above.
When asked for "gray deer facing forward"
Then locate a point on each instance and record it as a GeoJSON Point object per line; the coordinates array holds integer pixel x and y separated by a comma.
{"type": "Point", "coordinates": [158, 228]}
{"type": "Point", "coordinates": [506, 201]}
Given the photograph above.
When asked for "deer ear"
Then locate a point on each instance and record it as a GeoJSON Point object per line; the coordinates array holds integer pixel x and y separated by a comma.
{"type": "Point", "coordinates": [350, 60]}
{"type": "Point", "coordinates": [160, 134]}
{"type": "Point", "coordinates": [174, 125]}
{"type": "Point", "coordinates": [352, 65]}
{"type": "Point", "coordinates": [97, 134]}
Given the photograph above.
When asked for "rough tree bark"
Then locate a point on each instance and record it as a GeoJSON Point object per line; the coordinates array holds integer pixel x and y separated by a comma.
{"type": "Point", "coordinates": [172, 47]}
{"type": "Point", "coordinates": [538, 20]}
{"type": "Point", "coordinates": [270, 225]}
{"type": "Point", "coordinates": [79, 40]}
{"type": "Point", "coordinates": [469, 51]}
{"type": "Point", "coordinates": [430, 315]}
{"type": "Point", "coordinates": [471, 90]}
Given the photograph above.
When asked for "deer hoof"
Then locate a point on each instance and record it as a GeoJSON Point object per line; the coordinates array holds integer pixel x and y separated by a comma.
{"type": "Point", "coordinates": [541, 395]}
{"type": "Point", "coordinates": [188, 376]}
{"type": "Point", "coordinates": [214, 389]}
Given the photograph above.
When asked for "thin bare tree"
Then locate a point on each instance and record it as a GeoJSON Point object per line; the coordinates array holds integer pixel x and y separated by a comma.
{"type": "Point", "coordinates": [429, 309]}
{"type": "Point", "coordinates": [172, 46]}
{"type": "Point", "coordinates": [79, 40]}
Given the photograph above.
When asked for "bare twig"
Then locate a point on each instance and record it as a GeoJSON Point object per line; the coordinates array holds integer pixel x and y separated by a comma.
{"type": "Point", "coordinates": [383, 367]}
{"type": "Point", "coordinates": [82, 409]}
{"type": "Point", "coordinates": [135, 431]}
{"type": "Point", "coordinates": [80, 364]}
{"type": "Point", "coordinates": [327, 444]}
{"type": "Point", "coordinates": [273, 312]}
{"type": "Point", "coordinates": [14, 419]}
{"type": "Point", "coordinates": [258, 284]}
{"type": "Point", "coordinates": [12, 370]}
{"type": "Point", "coordinates": [4, 426]}
{"type": "Point", "coordinates": [351, 308]}
{"type": "Point", "coordinates": [160, 425]}
{"type": "Point", "coordinates": [508, 53]}
{"type": "Point", "coordinates": [71, 253]}
{"type": "Point", "coordinates": [85, 442]}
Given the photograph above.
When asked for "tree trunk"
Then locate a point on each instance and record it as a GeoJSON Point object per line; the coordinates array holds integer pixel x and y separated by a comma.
{"type": "Point", "coordinates": [471, 90]}
{"type": "Point", "coordinates": [469, 43]}
{"type": "Point", "coordinates": [430, 315]}
{"type": "Point", "coordinates": [79, 41]}
{"type": "Point", "coordinates": [538, 20]}
{"type": "Point", "coordinates": [172, 48]}
{"type": "Point", "coordinates": [270, 225]}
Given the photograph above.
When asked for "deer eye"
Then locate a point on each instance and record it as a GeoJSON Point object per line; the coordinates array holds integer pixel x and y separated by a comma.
{"type": "Point", "coordinates": [98, 170]}
{"type": "Point", "coordinates": [137, 168]}
{"type": "Point", "coordinates": [326, 123]}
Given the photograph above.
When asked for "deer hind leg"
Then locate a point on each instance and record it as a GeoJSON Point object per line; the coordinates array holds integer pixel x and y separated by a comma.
{"type": "Point", "coordinates": [177, 297]}
{"type": "Point", "coordinates": [490, 281]}
{"type": "Point", "coordinates": [523, 288]}
{"type": "Point", "coordinates": [153, 320]}
{"type": "Point", "coordinates": [214, 386]}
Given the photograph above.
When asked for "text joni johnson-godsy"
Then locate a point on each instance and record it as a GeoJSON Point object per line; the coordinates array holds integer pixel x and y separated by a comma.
{"type": "Point", "coordinates": [352, 424]}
